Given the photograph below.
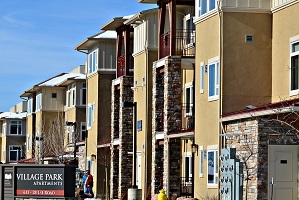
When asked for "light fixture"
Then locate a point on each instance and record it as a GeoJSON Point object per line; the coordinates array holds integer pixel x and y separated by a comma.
{"type": "Point", "coordinates": [93, 157]}
{"type": "Point", "coordinates": [194, 148]}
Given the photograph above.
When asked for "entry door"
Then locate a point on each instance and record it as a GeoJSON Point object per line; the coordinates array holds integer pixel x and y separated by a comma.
{"type": "Point", "coordinates": [138, 171]}
{"type": "Point", "coordinates": [283, 172]}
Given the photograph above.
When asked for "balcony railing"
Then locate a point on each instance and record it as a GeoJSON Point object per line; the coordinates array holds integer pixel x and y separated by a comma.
{"type": "Point", "coordinates": [184, 43]}
{"type": "Point", "coordinates": [186, 187]}
{"type": "Point", "coordinates": [121, 65]}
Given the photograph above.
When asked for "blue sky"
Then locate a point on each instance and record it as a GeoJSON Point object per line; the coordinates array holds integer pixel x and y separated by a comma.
{"type": "Point", "coordinates": [37, 38]}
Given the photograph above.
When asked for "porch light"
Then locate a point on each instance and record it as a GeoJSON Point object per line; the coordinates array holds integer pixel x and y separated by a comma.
{"type": "Point", "coordinates": [194, 148]}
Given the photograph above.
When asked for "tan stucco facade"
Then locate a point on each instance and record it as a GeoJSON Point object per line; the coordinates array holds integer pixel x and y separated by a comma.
{"type": "Point", "coordinates": [285, 31]}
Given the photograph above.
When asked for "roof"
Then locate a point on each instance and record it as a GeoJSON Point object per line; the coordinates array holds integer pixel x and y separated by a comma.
{"type": "Point", "coordinates": [11, 115]}
{"type": "Point", "coordinates": [56, 81]}
{"type": "Point", "coordinates": [90, 41]}
{"type": "Point", "coordinates": [268, 109]}
{"type": "Point", "coordinates": [116, 22]}
{"type": "Point", "coordinates": [137, 17]}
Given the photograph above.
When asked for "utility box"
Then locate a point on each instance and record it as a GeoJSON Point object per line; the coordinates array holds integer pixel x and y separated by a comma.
{"type": "Point", "coordinates": [37, 181]}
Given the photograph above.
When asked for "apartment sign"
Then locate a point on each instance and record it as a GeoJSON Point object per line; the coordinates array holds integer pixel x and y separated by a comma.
{"type": "Point", "coordinates": [39, 182]}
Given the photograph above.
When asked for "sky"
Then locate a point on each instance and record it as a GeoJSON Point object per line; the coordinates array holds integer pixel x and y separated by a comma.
{"type": "Point", "coordinates": [38, 37]}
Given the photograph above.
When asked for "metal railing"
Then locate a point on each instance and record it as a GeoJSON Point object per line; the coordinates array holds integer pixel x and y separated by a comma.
{"type": "Point", "coordinates": [184, 43]}
{"type": "Point", "coordinates": [121, 65]}
{"type": "Point", "coordinates": [186, 187]}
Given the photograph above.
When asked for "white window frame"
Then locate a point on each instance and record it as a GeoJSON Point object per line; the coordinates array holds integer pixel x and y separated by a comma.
{"type": "Point", "coordinates": [71, 95]}
{"type": "Point", "coordinates": [29, 106]}
{"type": "Point", "coordinates": [90, 115]}
{"type": "Point", "coordinates": [12, 148]}
{"type": "Point", "coordinates": [214, 61]}
{"type": "Point", "coordinates": [187, 155]}
{"type": "Point", "coordinates": [199, 8]}
{"type": "Point", "coordinates": [4, 129]}
{"type": "Point", "coordinates": [93, 61]}
{"type": "Point", "coordinates": [215, 163]}
{"type": "Point", "coordinates": [17, 123]}
{"type": "Point", "coordinates": [294, 53]}
{"type": "Point", "coordinates": [83, 129]}
{"type": "Point", "coordinates": [201, 161]}
{"type": "Point", "coordinates": [28, 143]}
{"type": "Point", "coordinates": [202, 77]}
{"type": "Point", "coordinates": [188, 98]}
{"type": "Point", "coordinates": [39, 102]}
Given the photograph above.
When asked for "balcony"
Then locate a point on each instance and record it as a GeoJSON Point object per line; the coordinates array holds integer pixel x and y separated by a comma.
{"type": "Point", "coordinates": [184, 43]}
{"type": "Point", "coordinates": [122, 65]}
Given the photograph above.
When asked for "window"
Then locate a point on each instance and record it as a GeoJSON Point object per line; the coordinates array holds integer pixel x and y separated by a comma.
{"type": "Point", "coordinates": [29, 106]}
{"type": "Point", "coordinates": [213, 70]}
{"type": "Point", "coordinates": [93, 61]}
{"type": "Point", "coordinates": [204, 6]}
{"type": "Point", "coordinates": [83, 94]}
{"type": "Point", "coordinates": [4, 129]}
{"type": "Point", "coordinates": [202, 77]}
{"type": "Point", "coordinates": [83, 131]}
{"type": "Point", "coordinates": [28, 143]}
{"type": "Point", "coordinates": [15, 153]}
{"type": "Point", "coordinates": [189, 36]}
{"type": "Point", "coordinates": [188, 168]}
{"type": "Point", "coordinates": [212, 167]}
{"type": "Point", "coordinates": [294, 66]}
{"type": "Point", "coordinates": [39, 101]}
{"type": "Point", "coordinates": [15, 127]}
{"type": "Point", "coordinates": [201, 158]}
{"type": "Point", "coordinates": [71, 95]}
{"type": "Point", "coordinates": [90, 115]}
{"type": "Point", "coordinates": [54, 95]}
{"type": "Point", "coordinates": [188, 99]}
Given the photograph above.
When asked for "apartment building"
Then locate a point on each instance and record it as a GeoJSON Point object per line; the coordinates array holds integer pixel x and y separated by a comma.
{"type": "Point", "coordinates": [50, 104]}
{"type": "Point", "coordinates": [13, 134]}
{"type": "Point", "coordinates": [101, 69]}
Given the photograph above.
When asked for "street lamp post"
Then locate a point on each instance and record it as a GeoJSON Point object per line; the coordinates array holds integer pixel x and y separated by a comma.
{"type": "Point", "coordinates": [74, 125]}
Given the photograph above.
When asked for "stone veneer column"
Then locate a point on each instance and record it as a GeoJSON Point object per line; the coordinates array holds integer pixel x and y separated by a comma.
{"type": "Point", "coordinates": [157, 125]}
{"type": "Point", "coordinates": [114, 172]}
{"type": "Point", "coordinates": [167, 118]}
{"type": "Point", "coordinates": [125, 136]}
{"type": "Point", "coordinates": [172, 123]}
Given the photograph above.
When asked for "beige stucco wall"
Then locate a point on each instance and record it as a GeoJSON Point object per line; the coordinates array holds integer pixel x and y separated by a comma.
{"type": "Point", "coordinates": [143, 97]}
{"type": "Point", "coordinates": [246, 74]}
{"type": "Point", "coordinates": [285, 26]}
{"type": "Point", "coordinates": [206, 113]}
{"type": "Point", "coordinates": [29, 131]}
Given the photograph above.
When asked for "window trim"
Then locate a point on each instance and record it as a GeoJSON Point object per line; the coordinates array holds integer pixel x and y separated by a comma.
{"type": "Point", "coordinates": [292, 54]}
{"type": "Point", "coordinates": [201, 162]}
{"type": "Point", "coordinates": [39, 100]}
{"type": "Point", "coordinates": [202, 77]}
{"type": "Point", "coordinates": [190, 103]}
{"type": "Point", "coordinates": [214, 61]}
{"type": "Point", "coordinates": [18, 123]}
{"type": "Point", "coordinates": [198, 8]}
{"type": "Point", "coordinates": [18, 153]}
{"type": "Point", "coordinates": [92, 61]}
{"type": "Point", "coordinates": [214, 149]}
{"type": "Point", "coordinates": [189, 156]}
{"type": "Point", "coordinates": [83, 88]}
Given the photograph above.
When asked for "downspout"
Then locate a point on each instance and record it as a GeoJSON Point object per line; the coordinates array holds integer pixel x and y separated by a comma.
{"type": "Point", "coordinates": [220, 141]}
{"type": "Point", "coordinates": [193, 141]}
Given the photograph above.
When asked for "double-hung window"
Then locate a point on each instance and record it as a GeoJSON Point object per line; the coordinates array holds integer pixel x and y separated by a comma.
{"type": "Point", "coordinates": [212, 167]}
{"type": "Point", "coordinates": [188, 99]}
{"type": "Point", "coordinates": [213, 70]}
{"type": "Point", "coordinates": [202, 77]}
{"type": "Point", "coordinates": [39, 101]}
{"type": "Point", "coordinates": [204, 6]}
{"type": "Point", "coordinates": [15, 153]}
{"type": "Point", "coordinates": [29, 106]}
{"type": "Point", "coordinates": [71, 95]}
{"type": "Point", "coordinates": [294, 67]}
{"type": "Point", "coordinates": [15, 127]}
{"type": "Point", "coordinates": [188, 168]}
{"type": "Point", "coordinates": [83, 131]}
{"type": "Point", "coordinates": [83, 94]}
{"type": "Point", "coordinates": [93, 61]}
{"type": "Point", "coordinates": [90, 115]}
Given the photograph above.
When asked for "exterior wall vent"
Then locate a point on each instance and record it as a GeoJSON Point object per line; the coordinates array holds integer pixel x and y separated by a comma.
{"type": "Point", "coordinates": [248, 38]}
